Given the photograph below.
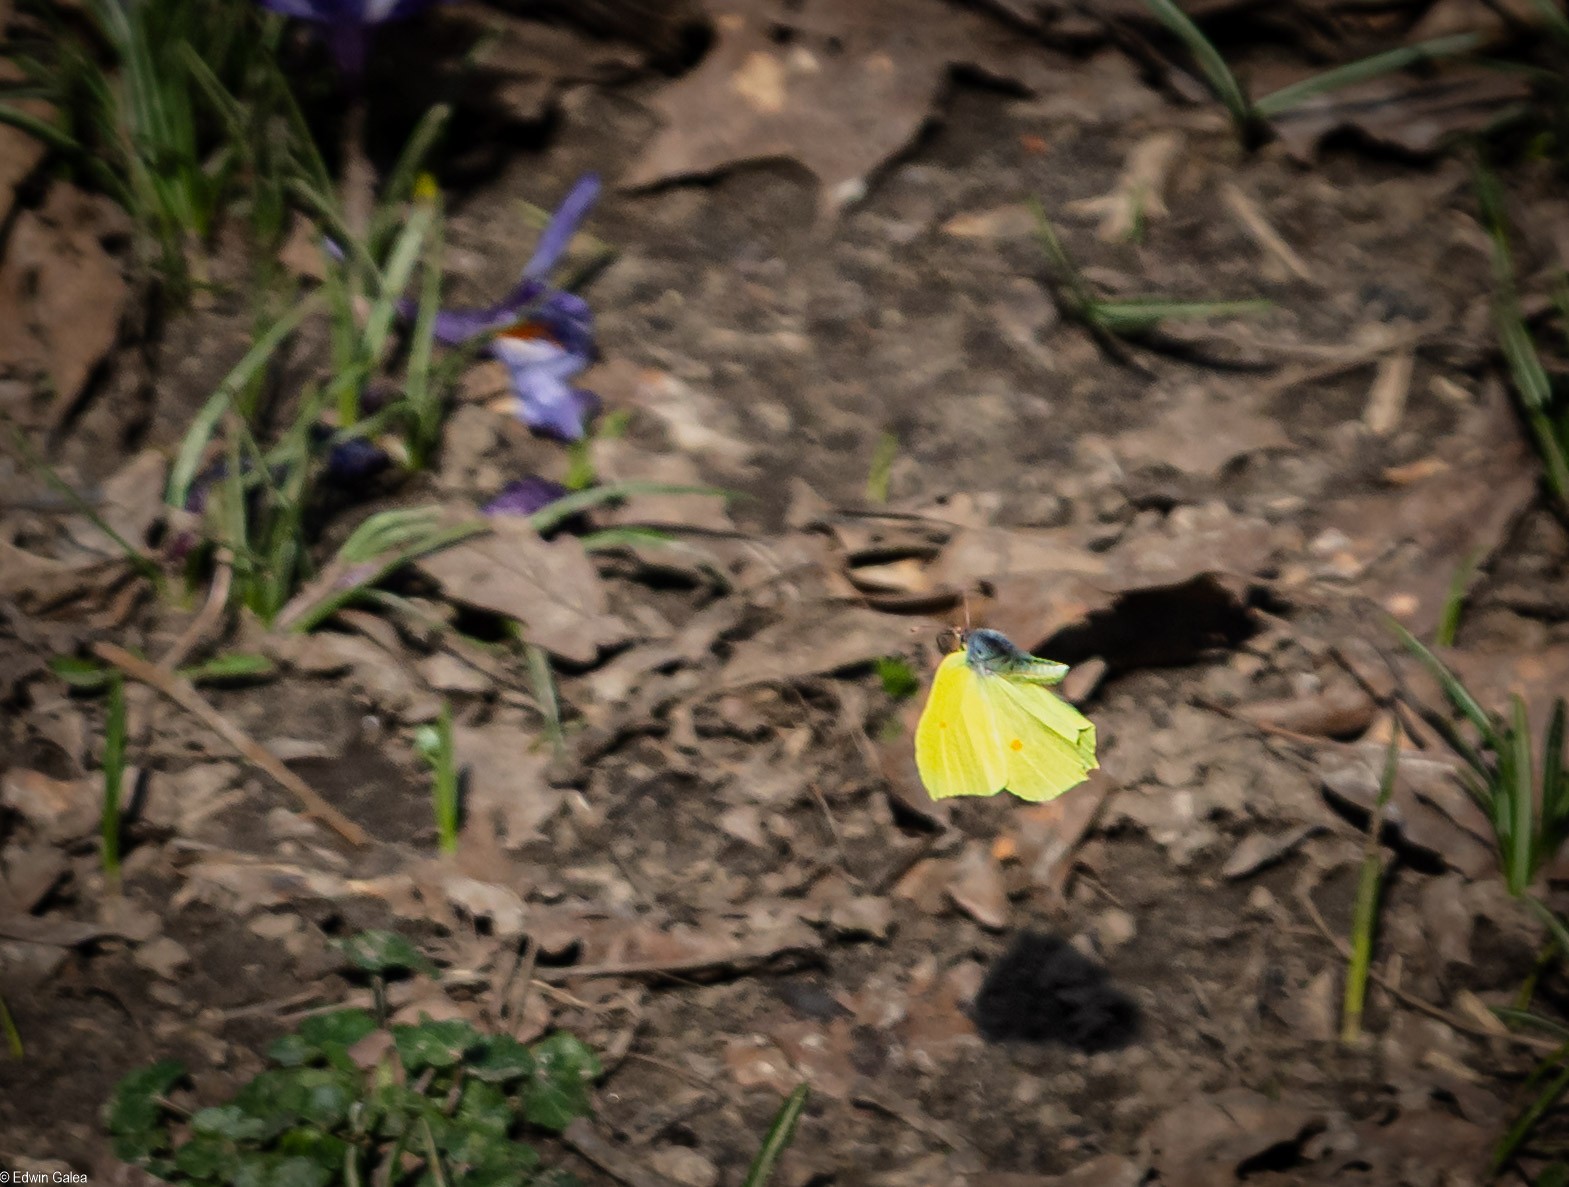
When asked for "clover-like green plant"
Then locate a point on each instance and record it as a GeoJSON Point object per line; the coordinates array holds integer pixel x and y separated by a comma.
{"type": "Point", "coordinates": [444, 1103]}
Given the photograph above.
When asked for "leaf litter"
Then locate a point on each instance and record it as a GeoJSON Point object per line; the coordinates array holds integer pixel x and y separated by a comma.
{"type": "Point", "coordinates": [1158, 537]}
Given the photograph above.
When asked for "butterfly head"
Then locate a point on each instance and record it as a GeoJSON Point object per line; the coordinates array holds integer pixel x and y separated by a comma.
{"type": "Point", "coordinates": [991, 652]}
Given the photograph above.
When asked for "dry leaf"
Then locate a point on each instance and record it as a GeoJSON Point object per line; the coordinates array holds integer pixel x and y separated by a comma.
{"type": "Point", "coordinates": [1200, 433]}
{"type": "Point", "coordinates": [841, 91]}
{"type": "Point", "coordinates": [505, 766]}
{"type": "Point", "coordinates": [1203, 1142]}
{"type": "Point", "coordinates": [1407, 542]}
{"type": "Point", "coordinates": [1428, 807]}
{"type": "Point", "coordinates": [552, 588]}
{"type": "Point", "coordinates": [976, 886]}
{"type": "Point", "coordinates": [814, 641]}
{"type": "Point", "coordinates": [1140, 192]}
{"type": "Point", "coordinates": [1414, 115]}
{"type": "Point", "coordinates": [61, 295]}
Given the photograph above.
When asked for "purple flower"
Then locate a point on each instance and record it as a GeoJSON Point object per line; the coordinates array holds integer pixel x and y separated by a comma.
{"type": "Point", "coordinates": [543, 335]}
{"type": "Point", "coordinates": [524, 496]}
{"type": "Point", "coordinates": [346, 24]}
{"type": "Point", "coordinates": [532, 294]}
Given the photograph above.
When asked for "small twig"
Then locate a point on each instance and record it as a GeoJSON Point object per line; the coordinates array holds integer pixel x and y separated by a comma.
{"type": "Point", "coordinates": [209, 616]}
{"type": "Point", "coordinates": [619, 1164]}
{"type": "Point", "coordinates": [1277, 731]}
{"type": "Point", "coordinates": [741, 959]}
{"type": "Point", "coordinates": [1256, 225]}
{"type": "Point", "coordinates": [868, 1096]}
{"type": "Point", "coordinates": [183, 693]}
{"type": "Point", "coordinates": [526, 971]}
{"type": "Point", "coordinates": [1416, 1003]}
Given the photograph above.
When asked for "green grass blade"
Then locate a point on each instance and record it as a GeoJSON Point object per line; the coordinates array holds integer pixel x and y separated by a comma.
{"type": "Point", "coordinates": [114, 779]}
{"type": "Point", "coordinates": [234, 666]}
{"type": "Point", "coordinates": [188, 460]}
{"type": "Point", "coordinates": [1210, 62]}
{"type": "Point", "coordinates": [135, 557]}
{"type": "Point", "coordinates": [1364, 917]}
{"type": "Point", "coordinates": [1527, 1121]}
{"type": "Point", "coordinates": [1454, 602]}
{"type": "Point", "coordinates": [780, 1135]}
{"type": "Point", "coordinates": [564, 508]}
{"type": "Point", "coordinates": [1066, 272]}
{"type": "Point", "coordinates": [1457, 693]}
{"type": "Point", "coordinates": [1363, 70]}
{"type": "Point", "coordinates": [444, 782]}
{"type": "Point", "coordinates": [13, 1037]}
{"type": "Point", "coordinates": [1555, 787]}
{"type": "Point", "coordinates": [1521, 790]}
{"type": "Point", "coordinates": [1135, 314]}
{"type": "Point", "coordinates": [878, 477]}
{"type": "Point", "coordinates": [1519, 1017]}
{"type": "Point", "coordinates": [543, 681]}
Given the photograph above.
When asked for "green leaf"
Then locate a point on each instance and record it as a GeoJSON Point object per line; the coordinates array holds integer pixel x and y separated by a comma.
{"type": "Point", "coordinates": [231, 1122]}
{"type": "Point", "coordinates": [207, 1158]}
{"type": "Point", "coordinates": [234, 666]}
{"type": "Point", "coordinates": [329, 1094]}
{"type": "Point", "coordinates": [292, 1051]}
{"type": "Point", "coordinates": [558, 1092]}
{"type": "Point", "coordinates": [899, 680]}
{"type": "Point", "coordinates": [483, 1107]}
{"type": "Point", "coordinates": [80, 673]}
{"type": "Point", "coordinates": [380, 951]}
{"type": "Point", "coordinates": [323, 1149]}
{"type": "Point", "coordinates": [502, 1060]}
{"type": "Point", "coordinates": [433, 1043]}
{"type": "Point", "coordinates": [134, 1108]}
{"type": "Point", "coordinates": [298, 1172]}
{"type": "Point", "coordinates": [340, 1028]}
{"type": "Point", "coordinates": [1556, 1175]}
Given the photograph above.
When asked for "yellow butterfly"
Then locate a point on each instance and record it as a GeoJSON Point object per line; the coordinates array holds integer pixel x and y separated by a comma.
{"type": "Point", "coordinates": [991, 724]}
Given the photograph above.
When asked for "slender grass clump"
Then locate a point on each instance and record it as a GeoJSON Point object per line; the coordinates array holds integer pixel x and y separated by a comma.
{"type": "Point", "coordinates": [434, 743]}
{"type": "Point", "coordinates": [114, 781]}
{"type": "Point", "coordinates": [1110, 317]}
{"type": "Point", "coordinates": [1529, 814]}
{"type": "Point", "coordinates": [1251, 117]}
{"type": "Point", "coordinates": [131, 86]}
{"type": "Point", "coordinates": [1365, 914]}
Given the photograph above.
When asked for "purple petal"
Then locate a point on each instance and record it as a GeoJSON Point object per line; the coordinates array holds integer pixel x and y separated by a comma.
{"type": "Point", "coordinates": [562, 226]}
{"type": "Point", "coordinates": [567, 318]}
{"type": "Point", "coordinates": [547, 403]}
{"type": "Point", "coordinates": [348, 12]}
{"type": "Point", "coordinates": [456, 326]}
{"type": "Point", "coordinates": [349, 45]}
{"type": "Point", "coordinates": [353, 461]}
{"type": "Point", "coordinates": [524, 496]}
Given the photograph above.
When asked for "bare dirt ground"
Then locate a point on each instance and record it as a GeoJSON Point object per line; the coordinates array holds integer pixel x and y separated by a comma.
{"type": "Point", "coordinates": [728, 879]}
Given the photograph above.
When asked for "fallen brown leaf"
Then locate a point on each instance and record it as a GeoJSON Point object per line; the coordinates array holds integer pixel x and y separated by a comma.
{"type": "Point", "coordinates": [848, 86]}
{"type": "Point", "coordinates": [61, 295]}
{"type": "Point", "coordinates": [1200, 433]}
{"type": "Point", "coordinates": [1404, 545]}
{"type": "Point", "coordinates": [814, 641]}
{"type": "Point", "coordinates": [551, 587]}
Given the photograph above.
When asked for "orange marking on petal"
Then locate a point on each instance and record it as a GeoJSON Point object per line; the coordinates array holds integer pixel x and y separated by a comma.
{"type": "Point", "coordinates": [525, 331]}
{"type": "Point", "coordinates": [1016, 744]}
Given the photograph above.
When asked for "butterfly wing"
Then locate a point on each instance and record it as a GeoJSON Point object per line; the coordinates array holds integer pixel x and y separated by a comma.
{"type": "Point", "coordinates": [1048, 745]}
{"type": "Point", "coordinates": [956, 749]}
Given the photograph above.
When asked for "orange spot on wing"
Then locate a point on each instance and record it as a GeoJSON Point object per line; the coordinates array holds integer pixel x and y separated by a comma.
{"type": "Point", "coordinates": [1016, 744]}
